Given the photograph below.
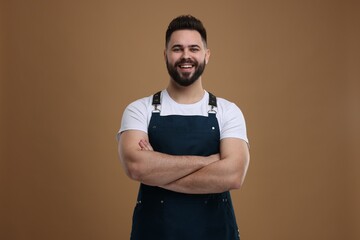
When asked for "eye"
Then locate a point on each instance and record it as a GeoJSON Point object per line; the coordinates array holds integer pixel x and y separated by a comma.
{"type": "Point", "coordinates": [195, 49]}
{"type": "Point", "coordinates": [176, 49]}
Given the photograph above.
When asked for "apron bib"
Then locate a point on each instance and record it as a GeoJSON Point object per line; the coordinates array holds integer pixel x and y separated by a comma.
{"type": "Point", "coordinates": [161, 214]}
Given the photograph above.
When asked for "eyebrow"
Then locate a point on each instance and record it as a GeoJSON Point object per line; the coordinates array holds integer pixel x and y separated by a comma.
{"type": "Point", "coordinates": [181, 46]}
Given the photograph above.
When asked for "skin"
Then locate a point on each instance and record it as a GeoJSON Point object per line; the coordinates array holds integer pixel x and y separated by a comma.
{"type": "Point", "coordinates": [187, 174]}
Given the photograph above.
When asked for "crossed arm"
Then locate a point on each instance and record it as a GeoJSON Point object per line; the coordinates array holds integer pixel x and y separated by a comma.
{"type": "Point", "coordinates": [187, 174]}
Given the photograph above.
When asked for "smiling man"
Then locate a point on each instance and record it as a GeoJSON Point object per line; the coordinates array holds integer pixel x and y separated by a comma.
{"type": "Point", "coordinates": [183, 69]}
{"type": "Point", "coordinates": [186, 147]}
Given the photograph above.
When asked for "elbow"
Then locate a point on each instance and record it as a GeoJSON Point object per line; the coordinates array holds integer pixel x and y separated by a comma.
{"type": "Point", "coordinates": [131, 168]}
{"type": "Point", "coordinates": [134, 171]}
{"type": "Point", "coordinates": [239, 176]}
{"type": "Point", "coordinates": [236, 182]}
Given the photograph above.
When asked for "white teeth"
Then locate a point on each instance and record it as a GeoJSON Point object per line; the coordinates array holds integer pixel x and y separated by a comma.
{"type": "Point", "coordinates": [186, 66]}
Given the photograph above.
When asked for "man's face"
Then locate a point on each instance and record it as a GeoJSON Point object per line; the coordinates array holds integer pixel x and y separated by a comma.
{"type": "Point", "coordinates": [186, 56]}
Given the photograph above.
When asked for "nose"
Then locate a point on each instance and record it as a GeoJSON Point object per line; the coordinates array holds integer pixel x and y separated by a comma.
{"type": "Point", "coordinates": [185, 54]}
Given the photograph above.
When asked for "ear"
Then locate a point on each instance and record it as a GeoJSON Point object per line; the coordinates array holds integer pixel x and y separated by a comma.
{"type": "Point", "coordinates": [207, 55]}
{"type": "Point", "coordinates": [165, 55]}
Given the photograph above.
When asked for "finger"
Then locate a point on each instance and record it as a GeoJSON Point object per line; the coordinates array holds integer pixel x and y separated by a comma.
{"type": "Point", "coordinates": [143, 145]}
{"type": "Point", "coordinates": [148, 145]}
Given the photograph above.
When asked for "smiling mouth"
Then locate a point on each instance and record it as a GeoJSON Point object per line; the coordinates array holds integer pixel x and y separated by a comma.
{"type": "Point", "coordinates": [186, 66]}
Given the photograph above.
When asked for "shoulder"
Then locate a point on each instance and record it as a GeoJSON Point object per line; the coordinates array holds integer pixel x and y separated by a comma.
{"type": "Point", "coordinates": [137, 114]}
{"type": "Point", "coordinates": [227, 107]}
{"type": "Point", "coordinates": [140, 104]}
{"type": "Point", "coordinates": [231, 120]}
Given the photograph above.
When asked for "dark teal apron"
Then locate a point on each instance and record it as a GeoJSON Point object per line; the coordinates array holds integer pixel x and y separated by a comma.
{"type": "Point", "coordinates": [166, 215]}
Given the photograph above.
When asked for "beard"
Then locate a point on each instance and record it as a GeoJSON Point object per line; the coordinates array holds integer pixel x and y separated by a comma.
{"type": "Point", "coordinates": [185, 79]}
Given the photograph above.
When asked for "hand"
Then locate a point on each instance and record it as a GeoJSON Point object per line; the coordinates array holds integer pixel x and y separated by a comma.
{"type": "Point", "coordinates": [145, 145]}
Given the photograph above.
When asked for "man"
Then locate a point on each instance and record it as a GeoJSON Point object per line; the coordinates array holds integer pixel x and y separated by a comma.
{"type": "Point", "coordinates": [186, 147]}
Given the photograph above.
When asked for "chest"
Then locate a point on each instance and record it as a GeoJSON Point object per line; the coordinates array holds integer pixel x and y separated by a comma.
{"type": "Point", "coordinates": [184, 135]}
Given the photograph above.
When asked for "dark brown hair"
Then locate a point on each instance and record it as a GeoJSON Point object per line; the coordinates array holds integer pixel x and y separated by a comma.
{"type": "Point", "coordinates": [185, 22]}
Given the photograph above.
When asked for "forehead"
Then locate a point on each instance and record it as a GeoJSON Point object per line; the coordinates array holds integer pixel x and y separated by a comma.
{"type": "Point", "coordinates": [185, 38]}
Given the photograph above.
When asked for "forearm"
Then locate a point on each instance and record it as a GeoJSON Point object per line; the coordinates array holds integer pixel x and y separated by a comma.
{"type": "Point", "coordinates": [143, 164]}
{"type": "Point", "coordinates": [226, 174]}
{"type": "Point", "coordinates": [214, 178]}
{"type": "Point", "coordinates": [154, 168]}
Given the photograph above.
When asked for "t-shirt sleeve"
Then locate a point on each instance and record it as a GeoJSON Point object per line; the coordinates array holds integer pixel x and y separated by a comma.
{"type": "Point", "coordinates": [234, 123]}
{"type": "Point", "coordinates": [135, 117]}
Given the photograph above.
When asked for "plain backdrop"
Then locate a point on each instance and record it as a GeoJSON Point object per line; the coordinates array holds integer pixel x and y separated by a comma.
{"type": "Point", "coordinates": [69, 68]}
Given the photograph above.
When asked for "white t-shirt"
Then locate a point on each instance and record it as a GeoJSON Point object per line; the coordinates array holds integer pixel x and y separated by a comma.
{"type": "Point", "coordinates": [231, 120]}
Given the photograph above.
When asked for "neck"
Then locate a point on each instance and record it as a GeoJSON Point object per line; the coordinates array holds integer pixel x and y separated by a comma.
{"type": "Point", "coordinates": [186, 95]}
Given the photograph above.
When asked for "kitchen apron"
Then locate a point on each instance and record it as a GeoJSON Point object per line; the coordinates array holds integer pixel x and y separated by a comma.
{"type": "Point", "coordinates": [161, 214]}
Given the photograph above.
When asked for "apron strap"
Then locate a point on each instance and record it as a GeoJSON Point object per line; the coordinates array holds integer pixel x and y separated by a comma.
{"type": "Point", "coordinates": [212, 100]}
{"type": "Point", "coordinates": [156, 101]}
{"type": "Point", "coordinates": [212, 103]}
{"type": "Point", "coordinates": [156, 98]}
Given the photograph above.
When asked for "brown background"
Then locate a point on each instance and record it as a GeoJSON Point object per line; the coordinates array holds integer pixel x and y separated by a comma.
{"type": "Point", "coordinates": [68, 69]}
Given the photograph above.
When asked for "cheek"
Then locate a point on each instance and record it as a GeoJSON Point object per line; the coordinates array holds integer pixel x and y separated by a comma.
{"type": "Point", "coordinates": [171, 58]}
{"type": "Point", "coordinates": [202, 60]}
